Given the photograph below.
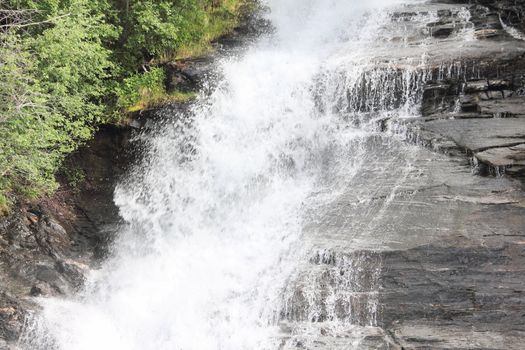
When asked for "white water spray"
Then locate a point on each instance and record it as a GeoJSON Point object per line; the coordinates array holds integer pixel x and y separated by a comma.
{"type": "Point", "coordinates": [215, 212]}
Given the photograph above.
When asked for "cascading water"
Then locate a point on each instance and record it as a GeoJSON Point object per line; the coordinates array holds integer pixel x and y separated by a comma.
{"type": "Point", "coordinates": [221, 214]}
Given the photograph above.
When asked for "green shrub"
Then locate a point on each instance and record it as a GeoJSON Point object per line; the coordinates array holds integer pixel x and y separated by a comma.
{"type": "Point", "coordinates": [74, 176]}
{"type": "Point", "coordinates": [51, 97]}
{"type": "Point", "coordinates": [33, 134]}
{"type": "Point", "coordinates": [138, 90]}
{"type": "Point", "coordinates": [4, 205]}
{"type": "Point", "coordinates": [74, 66]}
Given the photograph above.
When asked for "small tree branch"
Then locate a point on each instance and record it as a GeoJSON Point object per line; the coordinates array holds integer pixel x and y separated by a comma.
{"type": "Point", "coordinates": [33, 23]}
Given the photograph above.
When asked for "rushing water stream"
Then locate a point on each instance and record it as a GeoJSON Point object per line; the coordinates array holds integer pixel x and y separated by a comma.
{"type": "Point", "coordinates": [223, 212]}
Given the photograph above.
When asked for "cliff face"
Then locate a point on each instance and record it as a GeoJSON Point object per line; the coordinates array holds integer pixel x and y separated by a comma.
{"type": "Point", "coordinates": [440, 266]}
{"type": "Point", "coordinates": [465, 290]}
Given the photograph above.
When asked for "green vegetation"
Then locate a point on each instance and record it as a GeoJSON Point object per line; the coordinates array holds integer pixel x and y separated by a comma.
{"type": "Point", "coordinates": [67, 66]}
{"type": "Point", "coordinates": [73, 175]}
{"type": "Point", "coordinates": [139, 90]}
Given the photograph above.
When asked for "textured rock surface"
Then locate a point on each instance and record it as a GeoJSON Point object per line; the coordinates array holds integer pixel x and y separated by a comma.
{"type": "Point", "coordinates": [436, 259]}
{"type": "Point", "coordinates": [480, 112]}
{"type": "Point", "coordinates": [476, 135]}
{"type": "Point", "coordinates": [463, 286]}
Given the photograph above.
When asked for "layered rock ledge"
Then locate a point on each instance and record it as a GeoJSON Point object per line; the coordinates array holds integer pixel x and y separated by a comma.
{"type": "Point", "coordinates": [480, 111]}
{"type": "Point", "coordinates": [426, 247]}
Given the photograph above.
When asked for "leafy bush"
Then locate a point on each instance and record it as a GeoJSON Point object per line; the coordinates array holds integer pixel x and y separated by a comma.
{"type": "Point", "coordinates": [137, 90]}
{"type": "Point", "coordinates": [159, 28]}
{"type": "Point", "coordinates": [51, 97]}
{"type": "Point", "coordinates": [33, 134]}
{"type": "Point", "coordinates": [163, 30]}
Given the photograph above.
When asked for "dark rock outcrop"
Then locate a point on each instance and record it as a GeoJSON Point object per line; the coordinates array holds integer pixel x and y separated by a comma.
{"type": "Point", "coordinates": [484, 118]}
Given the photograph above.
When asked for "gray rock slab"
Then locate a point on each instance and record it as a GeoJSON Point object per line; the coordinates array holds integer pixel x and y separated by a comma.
{"type": "Point", "coordinates": [513, 156]}
{"type": "Point", "coordinates": [477, 135]}
{"type": "Point", "coordinates": [514, 106]}
{"type": "Point", "coordinates": [405, 197]}
{"type": "Point", "coordinates": [417, 246]}
{"type": "Point", "coordinates": [428, 336]}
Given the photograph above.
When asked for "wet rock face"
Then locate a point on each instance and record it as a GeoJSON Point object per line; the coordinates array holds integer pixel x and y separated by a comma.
{"type": "Point", "coordinates": [11, 318]}
{"type": "Point", "coordinates": [512, 12]}
{"type": "Point", "coordinates": [492, 89]}
{"type": "Point", "coordinates": [468, 292]}
{"type": "Point", "coordinates": [440, 264]}
{"type": "Point", "coordinates": [481, 112]}
{"type": "Point", "coordinates": [483, 116]}
{"type": "Point", "coordinates": [103, 161]}
{"type": "Point", "coordinates": [35, 260]}
{"type": "Point", "coordinates": [455, 297]}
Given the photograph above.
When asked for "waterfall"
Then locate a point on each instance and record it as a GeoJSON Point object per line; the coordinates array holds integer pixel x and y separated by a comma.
{"type": "Point", "coordinates": [221, 246]}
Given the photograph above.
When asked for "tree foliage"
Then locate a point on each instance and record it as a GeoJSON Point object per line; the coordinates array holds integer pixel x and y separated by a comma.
{"type": "Point", "coordinates": [158, 27]}
{"type": "Point", "coordinates": [68, 65]}
{"type": "Point", "coordinates": [32, 135]}
{"type": "Point", "coordinates": [73, 64]}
